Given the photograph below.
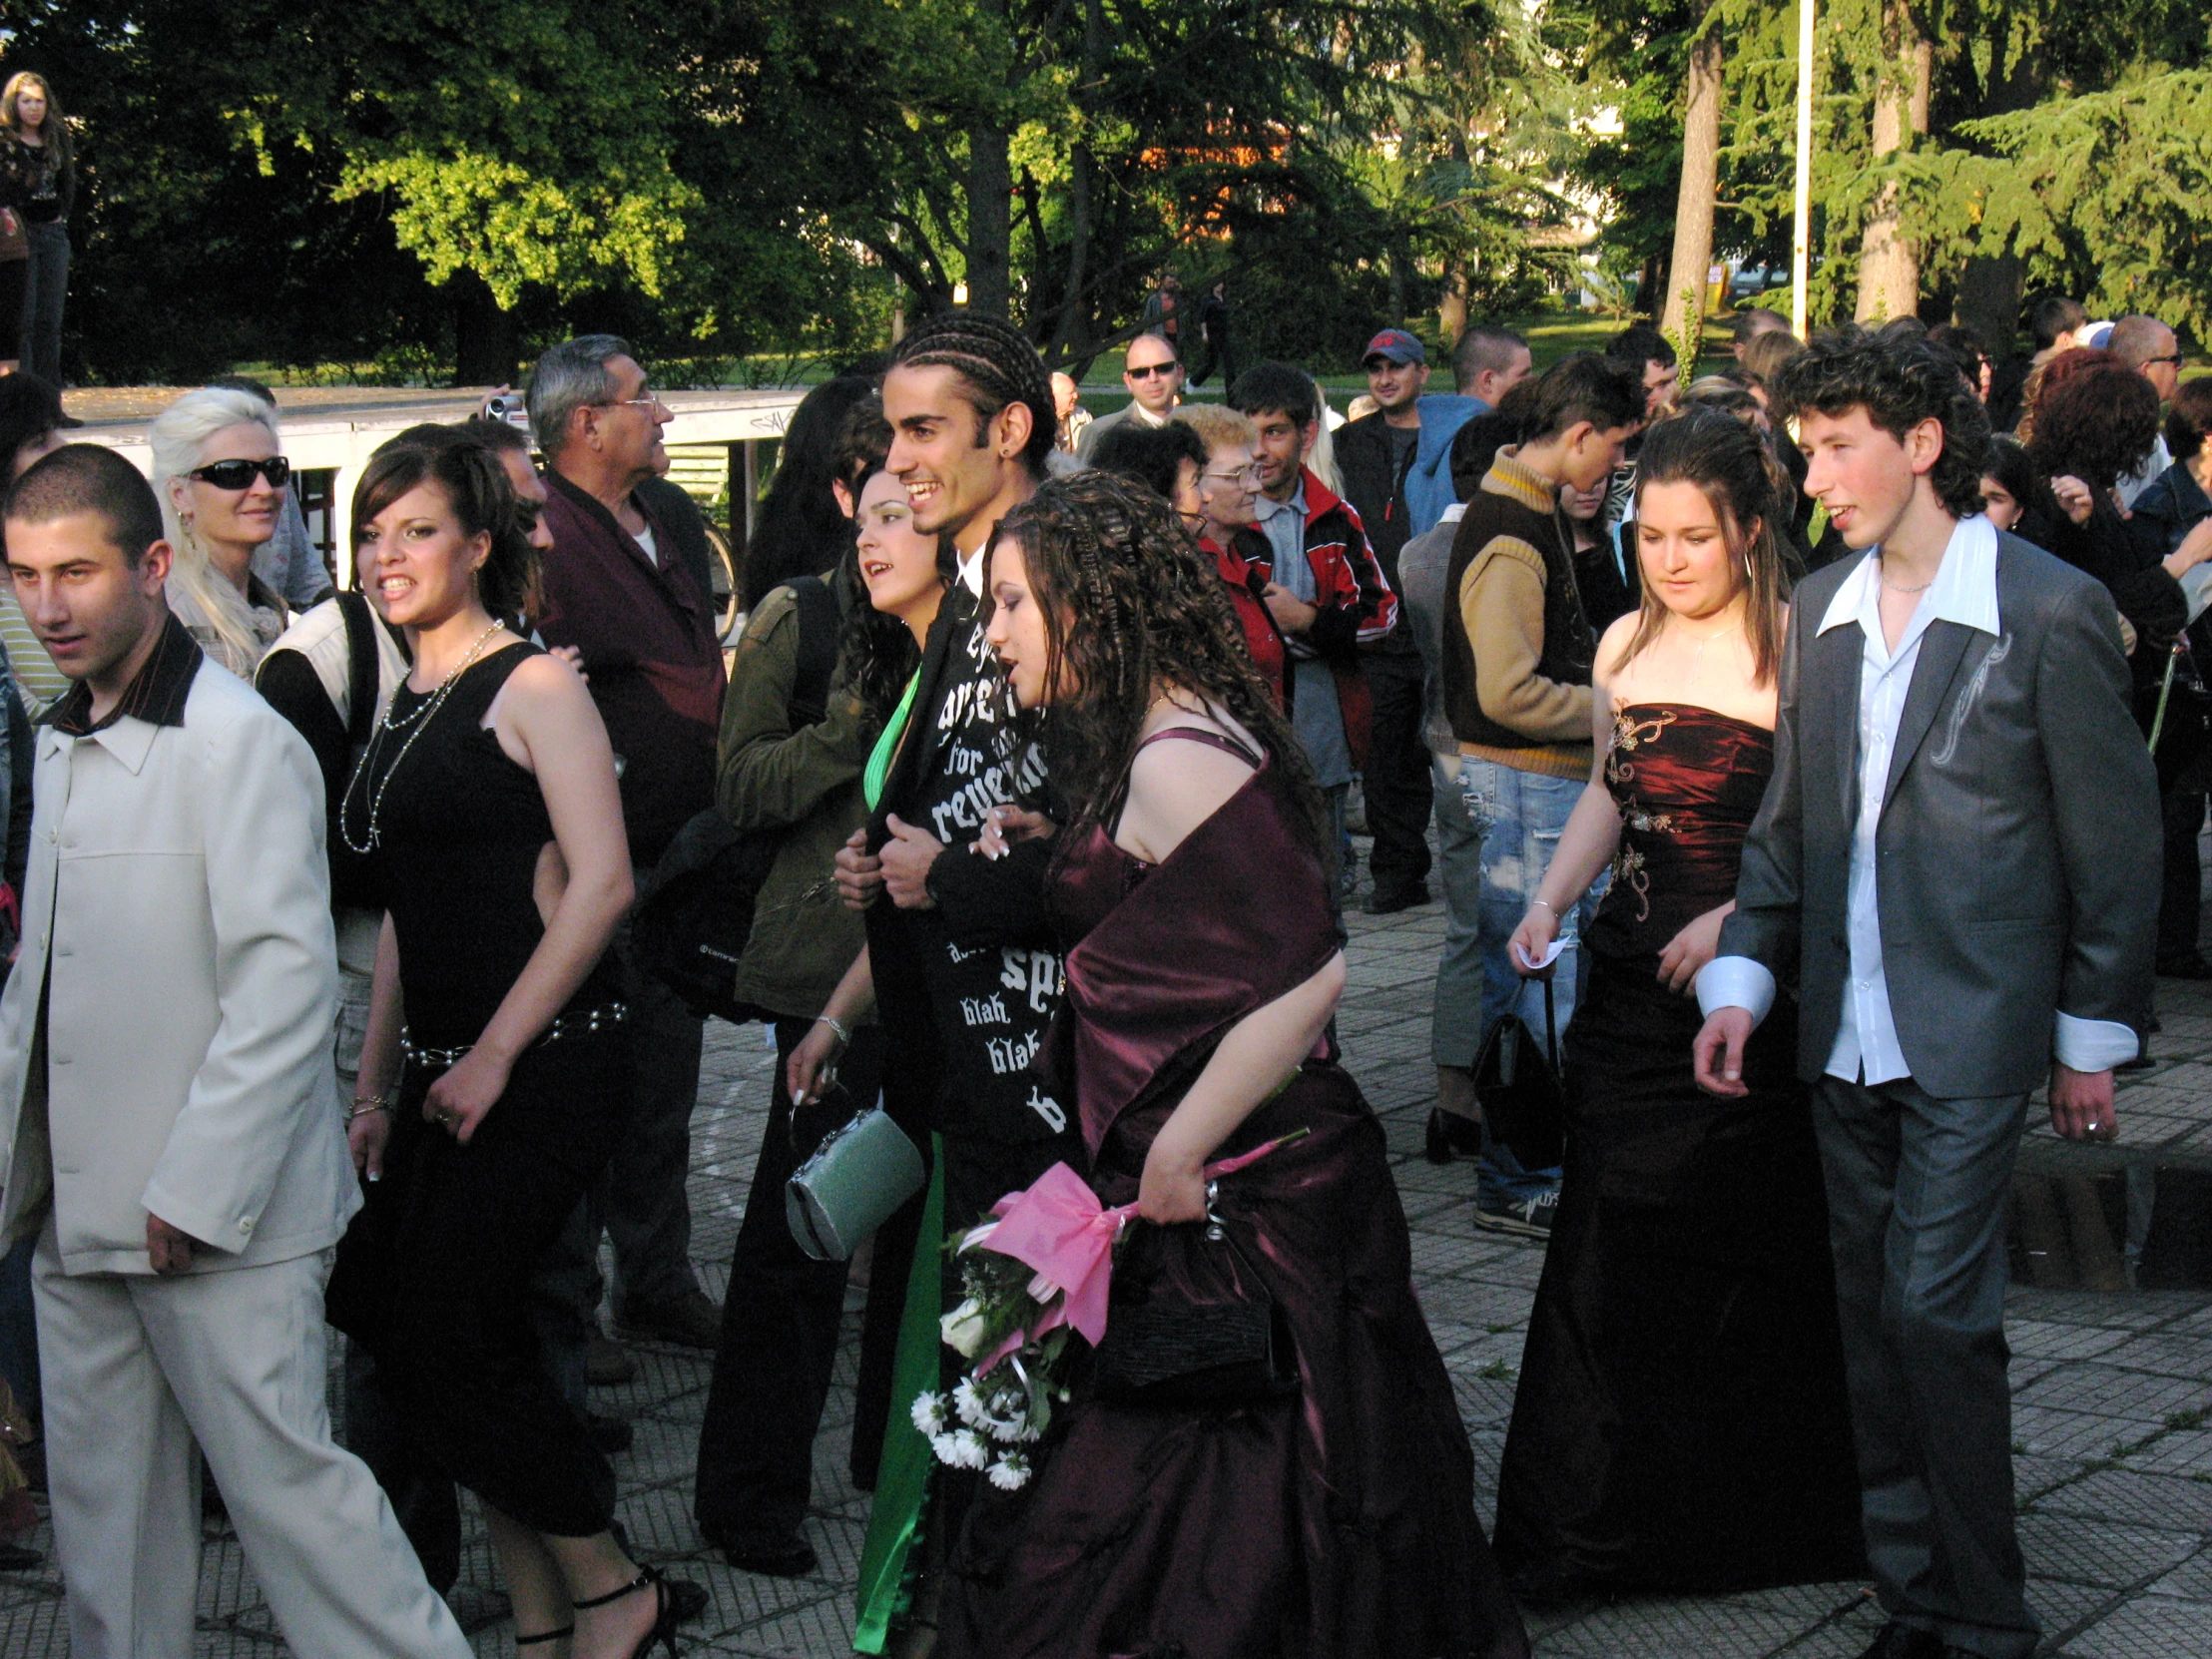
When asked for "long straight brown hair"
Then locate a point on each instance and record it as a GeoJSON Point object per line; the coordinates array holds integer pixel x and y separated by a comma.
{"type": "Point", "coordinates": [1748, 491]}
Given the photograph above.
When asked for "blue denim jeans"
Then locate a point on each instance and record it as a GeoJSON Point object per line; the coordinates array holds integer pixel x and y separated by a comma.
{"type": "Point", "coordinates": [1455, 1015]}
{"type": "Point", "coordinates": [1517, 818]}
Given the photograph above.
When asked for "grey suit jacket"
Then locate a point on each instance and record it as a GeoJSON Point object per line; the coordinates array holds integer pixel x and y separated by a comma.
{"type": "Point", "coordinates": [2018, 844]}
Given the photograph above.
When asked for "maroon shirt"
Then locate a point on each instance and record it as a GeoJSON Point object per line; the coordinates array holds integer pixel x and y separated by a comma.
{"type": "Point", "coordinates": [648, 638]}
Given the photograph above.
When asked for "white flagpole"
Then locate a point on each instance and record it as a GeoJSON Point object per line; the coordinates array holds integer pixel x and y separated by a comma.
{"type": "Point", "coordinates": [1801, 251]}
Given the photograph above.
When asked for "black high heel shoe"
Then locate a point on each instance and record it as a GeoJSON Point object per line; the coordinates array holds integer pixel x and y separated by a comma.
{"type": "Point", "coordinates": [664, 1616]}
{"type": "Point", "coordinates": [1452, 1135]}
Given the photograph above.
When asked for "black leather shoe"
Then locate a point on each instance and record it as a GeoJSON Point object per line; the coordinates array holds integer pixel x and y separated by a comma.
{"type": "Point", "coordinates": [609, 1434]}
{"type": "Point", "coordinates": [784, 1555]}
{"type": "Point", "coordinates": [607, 1364]}
{"type": "Point", "coordinates": [1453, 1136]}
{"type": "Point", "coordinates": [687, 1599]}
{"type": "Point", "coordinates": [1901, 1641]}
{"type": "Point", "coordinates": [2191, 966]}
{"type": "Point", "coordinates": [693, 1320]}
{"type": "Point", "coordinates": [1389, 901]}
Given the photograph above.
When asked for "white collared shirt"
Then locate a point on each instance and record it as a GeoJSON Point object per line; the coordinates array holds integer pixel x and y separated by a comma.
{"type": "Point", "coordinates": [1866, 1048]}
{"type": "Point", "coordinates": [970, 571]}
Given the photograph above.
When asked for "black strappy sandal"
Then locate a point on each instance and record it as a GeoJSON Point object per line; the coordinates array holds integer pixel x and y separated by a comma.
{"type": "Point", "coordinates": [664, 1616]}
{"type": "Point", "coordinates": [562, 1634]}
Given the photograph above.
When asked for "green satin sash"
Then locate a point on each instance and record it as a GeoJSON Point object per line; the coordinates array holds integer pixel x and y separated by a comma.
{"type": "Point", "coordinates": [902, 1476]}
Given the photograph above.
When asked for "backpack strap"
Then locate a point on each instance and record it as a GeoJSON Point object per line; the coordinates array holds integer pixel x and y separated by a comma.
{"type": "Point", "coordinates": [817, 651]}
{"type": "Point", "coordinates": [360, 668]}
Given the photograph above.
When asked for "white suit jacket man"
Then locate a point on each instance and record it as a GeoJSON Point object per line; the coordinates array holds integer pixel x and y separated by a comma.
{"type": "Point", "coordinates": [164, 1049]}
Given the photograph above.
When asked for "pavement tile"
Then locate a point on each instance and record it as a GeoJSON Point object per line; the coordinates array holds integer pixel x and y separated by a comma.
{"type": "Point", "coordinates": [2093, 1553]}
{"type": "Point", "coordinates": [2130, 1499]}
{"type": "Point", "coordinates": [2151, 1627]}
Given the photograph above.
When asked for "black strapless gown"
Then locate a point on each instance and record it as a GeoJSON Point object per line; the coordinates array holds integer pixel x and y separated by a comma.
{"type": "Point", "coordinates": [1680, 1423]}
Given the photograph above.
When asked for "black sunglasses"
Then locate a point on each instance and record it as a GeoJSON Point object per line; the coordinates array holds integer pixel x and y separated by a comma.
{"type": "Point", "coordinates": [239, 475]}
{"type": "Point", "coordinates": [1151, 370]}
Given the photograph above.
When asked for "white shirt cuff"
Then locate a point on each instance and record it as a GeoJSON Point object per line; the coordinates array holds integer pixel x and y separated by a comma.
{"type": "Point", "coordinates": [1735, 983]}
{"type": "Point", "coordinates": [2094, 1044]}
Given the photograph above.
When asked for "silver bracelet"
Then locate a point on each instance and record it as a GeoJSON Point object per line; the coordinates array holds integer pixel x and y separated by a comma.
{"type": "Point", "coordinates": [1546, 904]}
{"type": "Point", "coordinates": [843, 1036]}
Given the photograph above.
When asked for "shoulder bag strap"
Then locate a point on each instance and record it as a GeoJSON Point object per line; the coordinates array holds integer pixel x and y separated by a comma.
{"type": "Point", "coordinates": [362, 671]}
{"type": "Point", "coordinates": [818, 651]}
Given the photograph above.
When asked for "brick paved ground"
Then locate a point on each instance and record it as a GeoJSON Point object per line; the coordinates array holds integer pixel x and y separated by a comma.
{"type": "Point", "coordinates": [2112, 1330]}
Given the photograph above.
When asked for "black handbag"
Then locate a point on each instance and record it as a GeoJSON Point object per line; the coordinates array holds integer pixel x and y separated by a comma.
{"type": "Point", "coordinates": [1204, 1330]}
{"type": "Point", "coordinates": [1517, 1084]}
{"type": "Point", "coordinates": [694, 914]}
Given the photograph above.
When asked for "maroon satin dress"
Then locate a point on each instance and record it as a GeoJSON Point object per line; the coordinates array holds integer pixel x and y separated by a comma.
{"type": "Point", "coordinates": [1680, 1423]}
{"type": "Point", "coordinates": [1336, 1524]}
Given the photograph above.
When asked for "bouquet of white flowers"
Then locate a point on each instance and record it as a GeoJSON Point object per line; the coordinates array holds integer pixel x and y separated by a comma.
{"type": "Point", "coordinates": [1028, 1277]}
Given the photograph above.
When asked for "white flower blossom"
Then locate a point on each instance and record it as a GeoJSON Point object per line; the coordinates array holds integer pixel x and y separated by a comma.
{"type": "Point", "coordinates": [968, 1403]}
{"type": "Point", "coordinates": [963, 1449]}
{"type": "Point", "coordinates": [930, 1415]}
{"type": "Point", "coordinates": [1011, 1473]}
{"type": "Point", "coordinates": [963, 1328]}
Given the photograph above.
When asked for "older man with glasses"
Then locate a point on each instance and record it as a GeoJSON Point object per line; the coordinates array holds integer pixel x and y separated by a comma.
{"type": "Point", "coordinates": [1154, 376]}
{"type": "Point", "coordinates": [2150, 348]}
{"type": "Point", "coordinates": [626, 582]}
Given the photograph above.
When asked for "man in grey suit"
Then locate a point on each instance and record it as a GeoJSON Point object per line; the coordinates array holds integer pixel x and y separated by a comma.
{"type": "Point", "coordinates": [1958, 858]}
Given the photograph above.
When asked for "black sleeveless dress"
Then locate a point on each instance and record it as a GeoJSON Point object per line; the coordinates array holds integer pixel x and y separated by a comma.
{"type": "Point", "coordinates": [1680, 1423]}
{"type": "Point", "coordinates": [434, 1275]}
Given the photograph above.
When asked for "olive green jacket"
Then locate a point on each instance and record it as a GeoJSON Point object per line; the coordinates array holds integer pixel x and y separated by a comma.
{"type": "Point", "coordinates": [766, 775]}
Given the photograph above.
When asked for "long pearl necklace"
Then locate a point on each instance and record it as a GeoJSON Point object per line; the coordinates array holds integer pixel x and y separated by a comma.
{"type": "Point", "coordinates": [414, 725]}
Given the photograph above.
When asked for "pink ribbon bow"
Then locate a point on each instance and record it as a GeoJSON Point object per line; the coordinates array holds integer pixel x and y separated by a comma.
{"type": "Point", "coordinates": [1059, 1227]}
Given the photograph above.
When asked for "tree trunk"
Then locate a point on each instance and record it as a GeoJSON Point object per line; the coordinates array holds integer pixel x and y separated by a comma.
{"type": "Point", "coordinates": [1989, 287]}
{"type": "Point", "coordinates": [1889, 263]}
{"type": "Point", "coordinates": [485, 346]}
{"type": "Point", "coordinates": [1651, 284]}
{"type": "Point", "coordinates": [1684, 313]}
{"type": "Point", "coordinates": [1452, 304]}
{"type": "Point", "coordinates": [990, 191]}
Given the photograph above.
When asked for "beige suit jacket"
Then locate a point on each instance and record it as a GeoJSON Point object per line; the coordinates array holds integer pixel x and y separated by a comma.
{"type": "Point", "coordinates": [177, 916]}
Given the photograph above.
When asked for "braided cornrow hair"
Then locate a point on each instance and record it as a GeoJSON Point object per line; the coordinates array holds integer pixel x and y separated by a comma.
{"type": "Point", "coordinates": [998, 364]}
{"type": "Point", "coordinates": [1132, 606]}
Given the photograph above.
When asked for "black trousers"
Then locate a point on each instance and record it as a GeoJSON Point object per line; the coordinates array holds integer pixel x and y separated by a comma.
{"type": "Point", "coordinates": [779, 1323]}
{"type": "Point", "coordinates": [2181, 893]}
{"type": "Point", "coordinates": [1397, 782]}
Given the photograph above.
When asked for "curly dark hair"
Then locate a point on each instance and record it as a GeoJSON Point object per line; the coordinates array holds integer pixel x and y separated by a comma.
{"type": "Point", "coordinates": [1129, 605]}
{"type": "Point", "coordinates": [2097, 423]}
{"type": "Point", "coordinates": [1900, 380]}
{"type": "Point", "coordinates": [474, 483]}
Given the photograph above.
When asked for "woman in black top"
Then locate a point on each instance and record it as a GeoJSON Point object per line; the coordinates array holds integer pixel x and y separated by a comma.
{"type": "Point", "coordinates": [41, 187]}
{"type": "Point", "coordinates": [2094, 421]}
{"type": "Point", "coordinates": [487, 804]}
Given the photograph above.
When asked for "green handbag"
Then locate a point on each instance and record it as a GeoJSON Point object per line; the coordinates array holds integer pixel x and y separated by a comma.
{"type": "Point", "coordinates": [852, 1183]}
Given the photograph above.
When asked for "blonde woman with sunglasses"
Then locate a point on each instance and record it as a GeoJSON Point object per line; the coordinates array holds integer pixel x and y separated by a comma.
{"type": "Point", "coordinates": [220, 471]}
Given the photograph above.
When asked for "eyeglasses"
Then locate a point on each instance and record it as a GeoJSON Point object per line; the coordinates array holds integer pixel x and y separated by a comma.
{"type": "Point", "coordinates": [1242, 475]}
{"type": "Point", "coordinates": [239, 475]}
{"type": "Point", "coordinates": [2173, 357]}
{"type": "Point", "coordinates": [1151, 370]}
{"type": "Point", "coordinates": [646, 399]}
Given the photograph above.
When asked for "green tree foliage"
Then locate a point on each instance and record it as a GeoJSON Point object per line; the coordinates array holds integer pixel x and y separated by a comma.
{"type": "Point", "coordinates": [412, 179]}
